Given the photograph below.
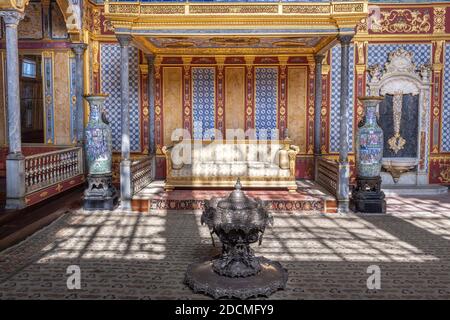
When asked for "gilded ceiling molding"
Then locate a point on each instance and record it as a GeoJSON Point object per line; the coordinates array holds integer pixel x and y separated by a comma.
{"type": "Point", "coordinates": [143, 20]}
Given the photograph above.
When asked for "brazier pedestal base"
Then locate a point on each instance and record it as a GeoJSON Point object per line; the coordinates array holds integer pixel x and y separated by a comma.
{"type": "Point", "coordinates": [367, 196]}
{"type": "Point", "coordinates": [201, 278]}
{"type": "Point", "coordinates": [100, 194]}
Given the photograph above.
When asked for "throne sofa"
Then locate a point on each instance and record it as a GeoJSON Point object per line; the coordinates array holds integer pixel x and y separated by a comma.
{"type": "Point", "coordinates": [258, 164]}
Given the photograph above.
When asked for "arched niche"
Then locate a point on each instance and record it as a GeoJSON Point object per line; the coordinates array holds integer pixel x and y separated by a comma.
{"type": "Point", "coordinates": [404, 116]}
{"type": "Point", "coordinates": [70, 10]}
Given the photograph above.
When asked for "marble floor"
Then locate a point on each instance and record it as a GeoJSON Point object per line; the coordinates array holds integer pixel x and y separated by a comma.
{"type": "Point", "coordinates": [124, 255]}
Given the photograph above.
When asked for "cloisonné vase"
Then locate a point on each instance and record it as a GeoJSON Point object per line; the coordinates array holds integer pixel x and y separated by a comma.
{"type": "Point", "coordinates": [98, 137]}
{"type": "Point", "coordinates": [369, 141]}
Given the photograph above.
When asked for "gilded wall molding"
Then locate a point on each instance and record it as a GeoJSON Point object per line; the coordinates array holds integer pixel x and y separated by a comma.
{"type": "Point", "coordinates": [439, 20]}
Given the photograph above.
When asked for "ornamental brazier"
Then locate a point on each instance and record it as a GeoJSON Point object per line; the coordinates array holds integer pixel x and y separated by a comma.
{"type": "Point", "coordinates": [237, 221]}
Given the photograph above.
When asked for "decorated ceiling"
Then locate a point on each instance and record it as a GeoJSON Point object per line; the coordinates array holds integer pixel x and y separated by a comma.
{"type": "Point", "coordinates": [208, 27]}
{"type": "Point", "coordinates": [234, 42]}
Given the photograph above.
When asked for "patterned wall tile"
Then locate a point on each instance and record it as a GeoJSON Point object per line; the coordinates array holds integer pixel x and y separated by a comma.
{"type": "Point", "coordinates": [266, 87]}
{"type": "Point", "coordinates": [49, 99]}
{"type": "Point", "coordinates": [110, 84]}
{"type": "Point", "coordinates": [445, 133]}
{"type": "Point", "coordinates": [72, 99]}
{"type": "Point", "coordinates": [203, 98]}
{"type": "Point", "coordinates": [335, 98]}
{"type": "Point", "coordinates": [378, 53]}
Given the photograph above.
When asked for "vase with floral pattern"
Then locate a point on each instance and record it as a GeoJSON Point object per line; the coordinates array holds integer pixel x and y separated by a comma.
{"type": "Point", "coordinates": [98, 137]}
{"type": "Point", "coordinates": [369, 140]}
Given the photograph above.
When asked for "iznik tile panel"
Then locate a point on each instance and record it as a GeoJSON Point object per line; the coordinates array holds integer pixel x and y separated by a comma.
{"type": "Point", "coordinates": [378, 53]}
{"type": "Point", "coordinates": [266, 87]}
{"type": "Point", "coordinates": [335, 98]}
{"type": "Point", "coordinates": [445, 134]}
{"type": "Point", "coordinates": [203, 98]}
{"type": "Point", "coordinates": [72, 99]}
{"type": "Point", "coordinates": [110, 84]}
{"type": "Point", "coordinates": [49, 100]}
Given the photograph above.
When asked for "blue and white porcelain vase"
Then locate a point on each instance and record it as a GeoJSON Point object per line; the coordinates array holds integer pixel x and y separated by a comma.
{"type": "Point", "coordinates": [369, 141]}
{"type": "Point", "coordinates": [98, 137]}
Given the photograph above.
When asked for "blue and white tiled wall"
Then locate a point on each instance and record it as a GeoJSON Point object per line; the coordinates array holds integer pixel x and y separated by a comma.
{"type": "Point", "coordinates": [335, 98]}
{"type": "Point", "coordinates": [445, 133]}
{"type": "Point", "coordinates": [266, 87]}
{"type": "Point", "coordinates": [203, 100]}
{"type": "Point", "coordinates": [378, 53]}
{"type": "Point", "coordinates": [110, 84]}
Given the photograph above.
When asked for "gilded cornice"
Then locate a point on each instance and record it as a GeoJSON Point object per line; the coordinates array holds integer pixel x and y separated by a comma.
{"type": "Point", "coordinates": [333, 8]}
{"type": "Point", "coordinates": [17, 5]}
{"type": "Point", "coordinates": [322, 15]}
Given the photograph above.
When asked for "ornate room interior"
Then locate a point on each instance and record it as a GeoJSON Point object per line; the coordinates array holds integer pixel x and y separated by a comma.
{"type": "Point", "coordinates": [101, 99]}
{"type": "Point", "coordinates": [258, 67]}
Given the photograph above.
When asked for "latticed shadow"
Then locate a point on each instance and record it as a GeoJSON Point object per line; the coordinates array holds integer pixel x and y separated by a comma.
{"type": "Point", "coordinates": [144, 256]}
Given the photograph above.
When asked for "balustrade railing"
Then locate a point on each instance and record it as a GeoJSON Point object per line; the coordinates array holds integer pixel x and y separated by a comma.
{"type": "Point", "coordinates": [328, 175]}
{"type": "Point", "coordinates": [141, 174]}
{"type": "Point", "coordinates": [45, 169]}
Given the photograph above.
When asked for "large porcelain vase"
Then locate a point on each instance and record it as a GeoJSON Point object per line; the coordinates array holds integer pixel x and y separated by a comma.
{"type": "Point", "coordinates": [98, 137]}
{"type": "Point", "coordinates": [369, 141]}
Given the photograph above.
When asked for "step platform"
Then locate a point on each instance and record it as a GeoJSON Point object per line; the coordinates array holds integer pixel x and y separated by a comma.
{"type": "Point", "coordinates": [309, 198]}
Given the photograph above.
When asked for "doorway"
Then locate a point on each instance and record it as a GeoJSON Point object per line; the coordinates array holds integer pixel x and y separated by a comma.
{"type": "Point", "coordinates": [31, 99]}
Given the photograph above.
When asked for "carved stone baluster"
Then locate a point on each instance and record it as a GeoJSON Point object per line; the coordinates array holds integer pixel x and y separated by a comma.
{"type": "Point", "coordinates": [70, 157]}
{"type": "Point", "coordinates": [76, 168]}
{"type": "Point", "coordinates": [52, 167]}
{"type": "Point", "coordinates": [36, 170]}
{"type": "Point", "coordinates": [46, 170]}
{"type": "Point", "coordinates": [27, 172]}
{"type": "Point", "coordinates": [60, 172]}
{"type": "Point", "coordinates": [42, 170]}
{"type": "Point", "coordinates": [64, 166]}
{"type": "Point", "coordinates": [32, 172]}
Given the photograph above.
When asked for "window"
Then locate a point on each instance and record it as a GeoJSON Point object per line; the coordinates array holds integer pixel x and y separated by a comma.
{"type": "Point", "coordinates": [28, 68]}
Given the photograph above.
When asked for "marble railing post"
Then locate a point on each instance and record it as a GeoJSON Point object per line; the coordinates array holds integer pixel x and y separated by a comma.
{"type": "Point", "coordinates": [317, 111]}
{"type": "Point", "coordinates": [344, 170]}
{"type": "Point", "coordinates": [15, 161]}
{"type": "Point", "coordinates": [151, 109]}
{"type": "Point", "coordinates": [78, 49]}
{"type": "Point", "coordinates": [125, 163]}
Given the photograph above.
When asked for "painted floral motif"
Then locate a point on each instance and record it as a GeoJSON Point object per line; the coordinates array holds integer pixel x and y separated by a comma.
{"type": "Point", "coordinates": [98, 138]}
{"type": "Point", "coordinates": [369, 143]}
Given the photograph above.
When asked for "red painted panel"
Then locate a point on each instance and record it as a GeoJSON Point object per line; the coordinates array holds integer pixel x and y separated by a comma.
{"type": "Point", "coordinates": [46, 193]}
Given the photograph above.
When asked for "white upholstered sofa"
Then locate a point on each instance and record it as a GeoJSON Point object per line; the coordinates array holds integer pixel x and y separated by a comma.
{"type": "Point", "coordinates": [258, 164]}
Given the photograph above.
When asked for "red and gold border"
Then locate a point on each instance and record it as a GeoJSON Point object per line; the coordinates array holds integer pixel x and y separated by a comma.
{"type": "Point", "coordinates": [282, 98]}
{"type": "Point", "coordinates": [310, 109]}
{"type": "Point", "coordinates": [249, 94]}
{"type": "Point", "coordinates": [158, 125]}
{"type": "Point", "coordinates": [48, 192]}
{"type": "Point", "coordinates": [220, 96]}
{"type": "Point", "coordinates": [144, 109]}
{"type": "Point", "coordinates": [187, 95]}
